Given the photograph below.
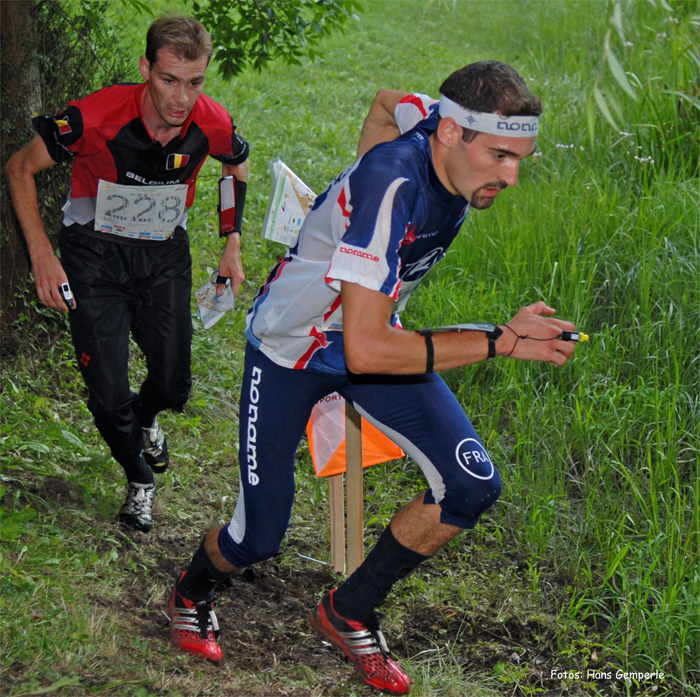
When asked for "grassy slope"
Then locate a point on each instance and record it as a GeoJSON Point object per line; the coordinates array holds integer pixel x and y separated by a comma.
{"type": "Point", "coordinates": [594, 544]}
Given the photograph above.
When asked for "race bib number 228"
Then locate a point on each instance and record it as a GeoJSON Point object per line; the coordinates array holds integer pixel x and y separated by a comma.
{"type": "Point", "coordinates": [139, 212]}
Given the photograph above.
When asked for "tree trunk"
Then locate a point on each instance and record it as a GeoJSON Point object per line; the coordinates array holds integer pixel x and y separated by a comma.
{"type": "Point", "coordinates": [21, 97]}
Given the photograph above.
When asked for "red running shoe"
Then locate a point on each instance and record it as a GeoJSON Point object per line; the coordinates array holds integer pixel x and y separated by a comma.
{"type": "Point", "coordinates": [193, 626]}
{"type": "Point", "coordinates": [365, 646]}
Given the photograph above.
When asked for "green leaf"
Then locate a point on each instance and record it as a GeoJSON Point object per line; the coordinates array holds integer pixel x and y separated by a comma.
{"type": "Point", "coordinates": [12, 523]}
{"type": "Point", "coordinates": [617, 560]}
{"type": "Point", "coordinates": [71, 438]}
{"type": "Point", "coordinates": [692, 101]}
{"type": "Point", "coordinates": [256, 32]}
{"type": "Point", "coordinates": [617, 21]}
{"type": "Point", "coordinates": [615, 106]}
{"type": "Point", "coordinates": [139, 6]}
{"type": "Point", "coordinates": [15, 577]}
{"type": "Point", "coordinates": [604, 108]}
{"type": "Point", "coordinates": [619, 74]}
{"type": "Point", "coordinates": [36, 447]}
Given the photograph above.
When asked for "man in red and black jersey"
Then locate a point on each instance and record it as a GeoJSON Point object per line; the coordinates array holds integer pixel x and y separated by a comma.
{"type": "Point", "coordinates": [125, 263]}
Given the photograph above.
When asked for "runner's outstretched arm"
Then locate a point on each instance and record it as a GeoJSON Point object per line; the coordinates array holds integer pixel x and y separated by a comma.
{"type": "Point", "coordinates": [372, 345]}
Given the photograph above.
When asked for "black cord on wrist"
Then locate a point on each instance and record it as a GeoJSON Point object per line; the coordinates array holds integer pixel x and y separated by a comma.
{"type": "Point", "coordinates": [517, 338]}
{"type": "Point", "coordinates": [527, 336]}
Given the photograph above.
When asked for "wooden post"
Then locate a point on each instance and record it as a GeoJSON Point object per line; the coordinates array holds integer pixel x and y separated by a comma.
{"type": "Point", "coordinates": [336, 500]}
{"type": "Point", "coordinates": [353, 465]}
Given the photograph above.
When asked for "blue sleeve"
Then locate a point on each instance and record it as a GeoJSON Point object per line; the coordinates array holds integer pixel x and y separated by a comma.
{"type": "Point", "coordinates": [377, 200]}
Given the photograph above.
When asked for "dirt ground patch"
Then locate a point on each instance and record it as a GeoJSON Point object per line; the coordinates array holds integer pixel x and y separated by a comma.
{"type": "Point", "coordinates": [265, 634]}
{"type": "Point", "coordinates": [263, 615]}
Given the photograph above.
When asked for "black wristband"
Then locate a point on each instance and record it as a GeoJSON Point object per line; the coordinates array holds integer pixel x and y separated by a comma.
{"type": "Point", "coordinates": [492, 336]}
{"type": "Point", "coordinates": [241, 188]}
{"type": "Point", "coordinates": [430, 349]}
{"type": "Point", "coordinates": [232, 193]}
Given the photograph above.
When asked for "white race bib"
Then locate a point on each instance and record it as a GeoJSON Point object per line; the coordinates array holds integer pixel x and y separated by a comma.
{"type": "Point", "coordinates": [139, 212]}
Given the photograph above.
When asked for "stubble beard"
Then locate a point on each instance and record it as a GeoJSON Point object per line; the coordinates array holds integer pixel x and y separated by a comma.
{"type": "Point", "coordinates": [479, 202]}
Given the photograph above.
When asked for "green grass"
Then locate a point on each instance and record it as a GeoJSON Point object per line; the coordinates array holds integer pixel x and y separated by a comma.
{"type": "Point", "coordinates": [590, 558]}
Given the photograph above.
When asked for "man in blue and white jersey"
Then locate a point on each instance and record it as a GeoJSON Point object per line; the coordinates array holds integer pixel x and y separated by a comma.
{"type": "Point", "coordinates": [326, 321]}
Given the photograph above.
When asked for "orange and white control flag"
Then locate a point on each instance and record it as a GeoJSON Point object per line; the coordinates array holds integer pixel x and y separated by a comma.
{"type": "Point", "coordinates": [326, 432]}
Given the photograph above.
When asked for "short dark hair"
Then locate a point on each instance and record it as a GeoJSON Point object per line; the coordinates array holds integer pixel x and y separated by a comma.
{"type": "Point", "coordinates": [186, 37]}
{"type": "Point", "coordinates": [490, 86]}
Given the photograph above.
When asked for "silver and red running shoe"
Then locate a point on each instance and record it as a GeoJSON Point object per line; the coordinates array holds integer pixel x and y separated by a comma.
{"type": "Point", "coordinates": [364, 645]}
{"type": "Point", "coordinates": [193, 626]}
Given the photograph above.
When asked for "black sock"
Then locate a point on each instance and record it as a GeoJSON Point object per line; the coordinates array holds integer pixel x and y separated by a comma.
{"type": "Point", "coordinates": [142, 475]}
{"type": "Point", "coordinates": [128, 451]}
{"type": "Point", "coordinates": [146, 416]}
{"type": "Point", "coordinates": [369, 585]}
{"type": "Point", "coordinates": [201, 577]}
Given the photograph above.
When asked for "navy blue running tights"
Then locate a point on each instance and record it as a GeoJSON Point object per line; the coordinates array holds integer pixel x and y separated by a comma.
{"type": "Point", "coordinates": [418, 412]}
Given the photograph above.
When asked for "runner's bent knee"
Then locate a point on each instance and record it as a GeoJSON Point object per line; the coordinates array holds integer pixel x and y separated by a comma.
{"type": "Point", "coordinates": [421, 415]}
{"type": "Point", "coordinates": [472, 488]}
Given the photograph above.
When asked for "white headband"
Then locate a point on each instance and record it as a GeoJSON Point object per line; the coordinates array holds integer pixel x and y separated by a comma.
{"type": "Point", "coordinates": [495, 124]}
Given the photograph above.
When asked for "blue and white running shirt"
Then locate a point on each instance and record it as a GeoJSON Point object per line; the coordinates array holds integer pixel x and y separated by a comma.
{"type": "Point", "coordinates": [383, 223]}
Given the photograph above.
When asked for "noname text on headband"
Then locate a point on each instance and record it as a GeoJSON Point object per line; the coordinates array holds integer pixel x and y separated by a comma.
{"type": "Point", "coordinates": [494, 124]}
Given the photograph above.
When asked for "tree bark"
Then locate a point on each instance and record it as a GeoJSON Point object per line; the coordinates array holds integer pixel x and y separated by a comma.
{"type": "Point", "coordinates": [21, 97]}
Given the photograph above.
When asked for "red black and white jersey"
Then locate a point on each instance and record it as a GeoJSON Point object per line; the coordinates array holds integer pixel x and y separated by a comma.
{"type": "Point", "coordinates": [106, 138]}
{"type": "Point", "coordinates": [382, 224]}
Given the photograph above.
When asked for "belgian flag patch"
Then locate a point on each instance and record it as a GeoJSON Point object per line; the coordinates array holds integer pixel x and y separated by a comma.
{"type": "Point", "coordinates": [63, 127]}
{"type": "Point", "coordinates": [177, 161]}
